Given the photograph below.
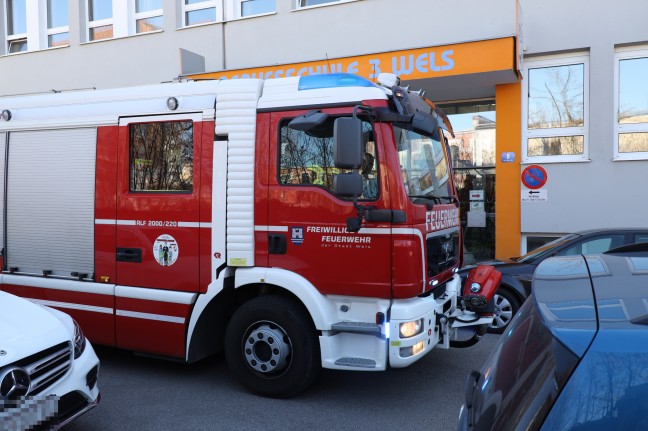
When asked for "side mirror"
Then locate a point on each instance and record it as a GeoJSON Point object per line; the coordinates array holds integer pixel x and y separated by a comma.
{"type": "Point", "coordinates": [347, 143]}
{"type": "Point", "coordinates": [347, 185]}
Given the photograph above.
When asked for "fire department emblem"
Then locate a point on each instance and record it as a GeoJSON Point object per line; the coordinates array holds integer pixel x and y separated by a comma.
{"type": "Point", "coordinates": [297, 235]}
{"type": "Point", "coordinates": [165, 250]}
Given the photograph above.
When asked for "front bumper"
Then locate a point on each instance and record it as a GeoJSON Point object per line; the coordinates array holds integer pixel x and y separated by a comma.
{"type": "Point", "coordinates": [70, 397]}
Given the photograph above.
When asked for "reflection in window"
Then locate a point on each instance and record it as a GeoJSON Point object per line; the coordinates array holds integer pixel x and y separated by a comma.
{"type": "Point", "coordinates": [148, 16]}
{"type": "Point", "coordinates": [633, 91]}
{"type": "Point", "coordinates": [306, 158]}
{"type": "Point", "coordinates": [16, 26]}
{"type": "Point", "coordinates": [304, 3]}
{"type": "Point", "coordinates": [100, 23]}
{"type": "Point", "coordinates": [256, 7]}
{"type": "Point", "coordinates": [556, 97]}
{"type": "Point", "coordinates": [632, 104]}
{"type": "Point", "coordinates": [161, 156]}
{"type": "Point", "coordinates": [555, 109]}
{"type": "Point", "coordinates": [556, 146]}
{"type": "Point", "coordinates": [57, 23]}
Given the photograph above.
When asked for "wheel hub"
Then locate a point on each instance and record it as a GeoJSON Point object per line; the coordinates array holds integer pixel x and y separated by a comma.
{"type": "Point", "coordinates": [267, 349]}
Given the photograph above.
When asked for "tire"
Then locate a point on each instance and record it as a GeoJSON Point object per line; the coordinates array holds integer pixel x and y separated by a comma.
{"type": "Point", "coordinates": [506, 306]}
{"type": "Point", "coordinates": [272, 347]}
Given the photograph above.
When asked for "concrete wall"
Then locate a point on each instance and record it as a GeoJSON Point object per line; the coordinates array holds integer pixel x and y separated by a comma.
{"type": "Point", "coordinates": [601, 192]}
{"type": "Point", "coordinates": [346, 29]}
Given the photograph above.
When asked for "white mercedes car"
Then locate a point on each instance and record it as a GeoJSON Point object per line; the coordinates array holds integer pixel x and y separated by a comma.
{"type": "Point", "coordinates": [48, 370]}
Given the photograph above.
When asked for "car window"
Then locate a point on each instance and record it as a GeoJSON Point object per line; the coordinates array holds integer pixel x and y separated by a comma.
{"type": "Point", "coordinates": [545, 249]}
{"type": "Point", "coordinates": [594, 245]}
{"type": "Point", "coordinates": [640, 237]}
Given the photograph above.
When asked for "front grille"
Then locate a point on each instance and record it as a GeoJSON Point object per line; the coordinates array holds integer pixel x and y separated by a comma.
{"type": "Point", "coordinates": [47, 367]}
{"type": "Point", "coordinates": [442, 252]}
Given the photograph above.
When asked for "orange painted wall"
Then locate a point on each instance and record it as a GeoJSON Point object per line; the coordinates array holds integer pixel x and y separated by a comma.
{"type": "Point", "coordinates": [507, 187]}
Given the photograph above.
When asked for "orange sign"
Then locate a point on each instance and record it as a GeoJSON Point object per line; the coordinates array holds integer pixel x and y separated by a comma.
{"type": "Point", "coordinates": [448, 60]}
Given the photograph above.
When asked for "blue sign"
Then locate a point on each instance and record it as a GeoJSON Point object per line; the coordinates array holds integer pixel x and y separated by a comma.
{"type": "Point", "coordinates": [508, 157]}
{"type": "Point", "coordinates": [534, 177]}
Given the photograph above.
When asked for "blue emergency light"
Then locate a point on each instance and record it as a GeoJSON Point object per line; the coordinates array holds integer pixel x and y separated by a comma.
{"type": "Point", "coordinates": [313, 82]}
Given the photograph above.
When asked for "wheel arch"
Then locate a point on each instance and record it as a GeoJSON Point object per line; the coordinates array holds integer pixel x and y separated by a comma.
{"type": "Point", "coordinates": [212, 311]}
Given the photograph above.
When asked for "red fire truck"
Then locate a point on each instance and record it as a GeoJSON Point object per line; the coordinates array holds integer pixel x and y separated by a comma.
{"type": "Point", "coordinates": [294, 223]}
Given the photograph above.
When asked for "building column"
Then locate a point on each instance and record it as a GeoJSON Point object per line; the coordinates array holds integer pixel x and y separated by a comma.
{"type": "Point", "coordinates": [507, 187]}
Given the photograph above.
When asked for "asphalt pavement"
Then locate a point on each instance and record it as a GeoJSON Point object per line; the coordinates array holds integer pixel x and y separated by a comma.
{"type": "Point", "coordinates": [142, 394]}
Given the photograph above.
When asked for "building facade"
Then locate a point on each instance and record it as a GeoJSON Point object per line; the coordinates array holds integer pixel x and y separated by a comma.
{"type": "Point", "coordinates": [526, 84]}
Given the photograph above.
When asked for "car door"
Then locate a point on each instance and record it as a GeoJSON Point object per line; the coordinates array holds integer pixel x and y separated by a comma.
{"type": "Point", "coordinates": [308, 222]}
{"type": "Point", "coordinates": [158, 202]}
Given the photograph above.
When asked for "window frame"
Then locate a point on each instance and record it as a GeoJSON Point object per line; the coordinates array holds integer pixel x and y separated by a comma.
{"type": "Point", "coordinates": [205, 4]}
{"type": "Point", "coordinates": [621, 54]}
{"type": "Point", "coordinates": [193, 119]}
{"type": "Point", "coordinates": [56, 30]}
{"type": "Point", "coordinates": [16, 37]}
{"type": "Point", "coordinates": [138, 16]}
{"type": "Point", "coordinates": [546, 62]}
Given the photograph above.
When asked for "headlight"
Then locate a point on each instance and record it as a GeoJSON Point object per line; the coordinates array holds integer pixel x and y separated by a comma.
{"type": "Point", "coordinates": [79, 340]}
{"type": "Point", "coordinates": [410, 329]}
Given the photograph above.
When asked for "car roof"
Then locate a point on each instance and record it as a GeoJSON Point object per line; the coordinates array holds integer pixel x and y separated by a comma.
{"type": "Point", "coordinates": [613, 229]}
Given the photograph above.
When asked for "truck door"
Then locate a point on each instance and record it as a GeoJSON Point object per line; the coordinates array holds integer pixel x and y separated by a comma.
{"type": "Point", "coordinates": [307, 221]}
{"type": "Point", "coordinates": [158, 202]}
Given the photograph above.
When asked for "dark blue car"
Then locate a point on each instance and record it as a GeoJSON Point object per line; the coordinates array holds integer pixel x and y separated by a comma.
{"type": "Point", "coordinates": [575, 357]}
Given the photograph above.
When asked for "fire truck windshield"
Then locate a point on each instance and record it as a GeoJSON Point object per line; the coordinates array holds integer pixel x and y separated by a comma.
{"type": "Point", "coordinates": [424, 166]}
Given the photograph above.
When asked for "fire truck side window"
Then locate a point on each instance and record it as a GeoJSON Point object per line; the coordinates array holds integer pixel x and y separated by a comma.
{"type": "Point", "coordinates": [306, 158]}
{"type": "Point", "coordinates": [161, 157]}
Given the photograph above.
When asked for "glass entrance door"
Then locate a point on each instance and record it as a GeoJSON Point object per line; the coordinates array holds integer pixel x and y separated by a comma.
{"type": "Point", "coordinates": [473, 162]}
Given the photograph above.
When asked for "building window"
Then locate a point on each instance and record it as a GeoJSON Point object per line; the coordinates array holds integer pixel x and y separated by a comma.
{"type": "Point", "coordinates": [555, 110]}
{"type": "Point", "coordinates": [16, 26]}
{"type": "Point", "coordinates": [100, 19]}
{"type": "Point", "coordinates": [161, 157]}
{"type": "Point", "coordinates": [306, 3]}
{"type": "Point", "coordinates": [197, 12]}
{"type": "Point", "coordinates": [257, 7]}
{"type": "Point", "coordinates": [631, 104]}
{"type": "Point", "coordinates": [148, 16]}
{"type": "Point", "coordinates": [58, 33]}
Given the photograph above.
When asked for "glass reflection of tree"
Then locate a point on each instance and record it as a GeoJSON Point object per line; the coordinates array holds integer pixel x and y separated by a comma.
{"type": "Point", "coordinates": [556, 100]}
{"type": "Point", "coordinates": [162, 156]}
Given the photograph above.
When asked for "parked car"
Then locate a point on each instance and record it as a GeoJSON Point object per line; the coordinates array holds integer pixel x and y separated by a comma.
{"type": "Point", "coordinates": [517, 272]}
{"type": "Point", "coordinates": [576, 355]}
{"type": "Point", "coordinates": [48, 370]}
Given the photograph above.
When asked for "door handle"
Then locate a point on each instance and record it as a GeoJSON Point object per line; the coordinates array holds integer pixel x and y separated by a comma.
{"type": "Point", "coordinates": [277, 243]}
{"type": "Point", "coordinates": [129, 255]}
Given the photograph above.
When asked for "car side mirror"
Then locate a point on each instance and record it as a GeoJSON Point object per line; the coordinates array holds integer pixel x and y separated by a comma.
{"type": "Point", "coordinates": [347, 185]}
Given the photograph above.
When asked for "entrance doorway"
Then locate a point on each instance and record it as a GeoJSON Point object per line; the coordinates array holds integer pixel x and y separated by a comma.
{"type": "Point", "coordinates": [473, 162]}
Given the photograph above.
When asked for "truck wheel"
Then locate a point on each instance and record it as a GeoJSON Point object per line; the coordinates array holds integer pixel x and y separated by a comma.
{"type": "Point", "coordinates": [271, 346]}
{"type": "Point", "coordinates": [506, 306]}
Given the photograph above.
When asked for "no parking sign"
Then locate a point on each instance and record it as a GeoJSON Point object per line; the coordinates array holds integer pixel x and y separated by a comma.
{"type": "Point", "coordinates": [534, 177]}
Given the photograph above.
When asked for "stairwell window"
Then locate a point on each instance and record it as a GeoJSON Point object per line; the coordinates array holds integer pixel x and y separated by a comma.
{"type": "Point", "coordinates": [631, 104]}
{"type": "Point", "coordinates": [555, 110]}
{"type": "Point", "coordinates": [196, 12]}
{"type": "Point", "coordinates": [148, 16]}
{"type": "Point", "coordinates": [58, 32]}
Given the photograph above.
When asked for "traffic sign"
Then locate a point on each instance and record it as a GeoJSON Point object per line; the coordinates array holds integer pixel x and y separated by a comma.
{"type": "Point", "coordinates": [534, 177]}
